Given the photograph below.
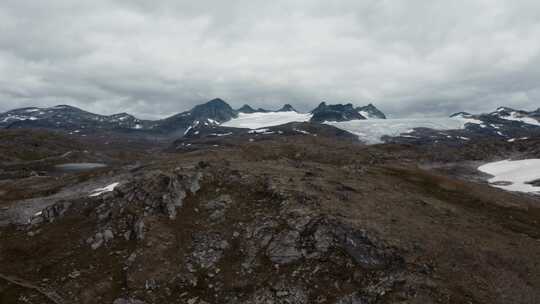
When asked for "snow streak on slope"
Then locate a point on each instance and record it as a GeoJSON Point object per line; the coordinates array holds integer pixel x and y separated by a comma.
{"type": "Point", "coordinates": [261, 120]}
{"type": "Point", "coordinates": [516, 117]}
{"type": "Point", "coordinates": [514, 175]}
{"type": "Point", "coordinates": [367, 115]}
{"type": "Point", "coordinates": [371, 131]}
{"type": "Point", "coordinates": [100, 191]}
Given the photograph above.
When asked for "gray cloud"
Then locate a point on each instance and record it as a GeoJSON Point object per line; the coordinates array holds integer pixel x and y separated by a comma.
{"type": "Point", "coordinates": [408, 57]}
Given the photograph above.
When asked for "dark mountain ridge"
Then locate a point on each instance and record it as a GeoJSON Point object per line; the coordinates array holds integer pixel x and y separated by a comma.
{"type": "Point", "coordinates": [72, 119]}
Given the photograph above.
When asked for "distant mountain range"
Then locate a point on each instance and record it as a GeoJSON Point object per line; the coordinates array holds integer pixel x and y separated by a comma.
{"type": "Point", "coordinates": [216, 118]}
{"type": "Point", "coordinates": [503, 124]}
{"type": "Point", "coordinates": [213, 112]}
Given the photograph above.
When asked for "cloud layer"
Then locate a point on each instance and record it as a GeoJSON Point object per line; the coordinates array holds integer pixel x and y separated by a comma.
{"type": "Point", "coordinates": [417, 57]}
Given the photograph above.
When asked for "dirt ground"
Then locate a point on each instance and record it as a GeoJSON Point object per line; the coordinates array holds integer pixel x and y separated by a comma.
{"type": "Point", "coordinates": [297, 219]}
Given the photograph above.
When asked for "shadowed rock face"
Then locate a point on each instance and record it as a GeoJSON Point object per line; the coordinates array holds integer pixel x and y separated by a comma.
{"type": "Point", "coordinates": [337, 112]}
{"type": "Point", "coordinates": [372, 111]}
{"type": "Point", "coordinates": [215, 109]}
{"type": "Point", "coordinates": [212, 112]}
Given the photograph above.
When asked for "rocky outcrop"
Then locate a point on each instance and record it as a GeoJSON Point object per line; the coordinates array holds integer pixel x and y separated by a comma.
{"type": "Point", "coordinates": [234, 239]}
{"type": "Point", "coordinates": [336, 112]}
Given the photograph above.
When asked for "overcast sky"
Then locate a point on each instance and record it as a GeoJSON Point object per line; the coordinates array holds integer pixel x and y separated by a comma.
{"type": "Point", "coordinates": [408, 57]}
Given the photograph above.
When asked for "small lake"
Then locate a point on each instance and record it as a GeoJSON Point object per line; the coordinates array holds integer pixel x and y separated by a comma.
{"type": "Point", "coordinates": [79, 166]}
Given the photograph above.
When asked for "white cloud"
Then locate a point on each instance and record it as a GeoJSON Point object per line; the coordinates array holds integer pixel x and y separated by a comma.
{"type": "Point", "coordinates": [152, 59]}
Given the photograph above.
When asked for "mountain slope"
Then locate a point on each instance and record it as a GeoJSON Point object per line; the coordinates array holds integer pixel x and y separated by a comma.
{"type": "Point", "coordinates": [212, 112]}
{"type": "Point", "coordinates": [68, 118]}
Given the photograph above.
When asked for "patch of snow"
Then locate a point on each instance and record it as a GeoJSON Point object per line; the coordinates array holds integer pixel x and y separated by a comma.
{"type": "Point", "coordinates": [222, 134]}
{"type": "Point", "coordinates": [18, 117]}
{"type": "Point", "coordinates": [261, 120]}
{"type": "Point", "coordinates": [368, 115]}
{"type": "Point", "coordinates": [100, 191]}
{"type": "Point", "coordinates": [259, 131]}
{"type": "Point", "coordinates": [514, 175]}
{"type": "Point", "coordinates": [138, 127]}
{"type": "Point", "coordinates": [302, 131]}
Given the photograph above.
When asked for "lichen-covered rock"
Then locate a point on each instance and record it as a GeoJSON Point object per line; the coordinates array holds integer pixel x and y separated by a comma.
{"type": "Point", "coordinates": [283, 248]}
{"type": "Point", "coordinates": [161, 192]}
{"type": "Point", "coordinates": [281, 294]}
{"type": "Point", "coordinates": [353, 298]}
{"type": "Point", "coordinates": [127, 301]}
{"type": "Point", "coordinates": [217, 207]}
{"type": "Point", "coordinates": [208, 248]}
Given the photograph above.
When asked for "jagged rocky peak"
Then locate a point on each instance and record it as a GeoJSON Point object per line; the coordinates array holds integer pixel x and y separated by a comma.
{"type": "Point", "coordinates": [335, 112]}
{"type": "Point", "coordinates": [287, 108]}
{"type": "Point", "coordinates": [249, 110]}
{"type": "Point", "coordinates": [246, 109]}
{"type": "Point", "coordinates": [504, 111]}
{"type": "Point", "coordinates": [215, 109]}
{"type": "Point", "coordinates": [370, 111]}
